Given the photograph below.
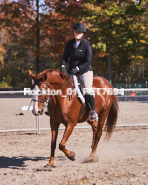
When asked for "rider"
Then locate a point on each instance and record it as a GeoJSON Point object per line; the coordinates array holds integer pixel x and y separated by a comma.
{"type": "Point", "coordinates": [79, 51]}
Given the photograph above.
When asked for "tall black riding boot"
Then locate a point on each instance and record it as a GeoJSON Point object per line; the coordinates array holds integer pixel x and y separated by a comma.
{"type": "Point", "coordinates": [91, 101]}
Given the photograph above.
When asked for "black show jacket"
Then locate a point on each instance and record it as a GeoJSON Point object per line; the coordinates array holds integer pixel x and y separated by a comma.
{"type": "Point", "coordinates": [80, 56]}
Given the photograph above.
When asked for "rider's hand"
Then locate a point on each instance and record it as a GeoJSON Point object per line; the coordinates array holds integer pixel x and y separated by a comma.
{"type": "Point", "coordinates": [74, 70]}
{"type": "Point", "coordinates": [63, 68]}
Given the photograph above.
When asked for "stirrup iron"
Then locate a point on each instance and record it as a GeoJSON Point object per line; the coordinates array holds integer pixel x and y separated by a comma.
{"type": "Point", "coordinates": [93, 116]}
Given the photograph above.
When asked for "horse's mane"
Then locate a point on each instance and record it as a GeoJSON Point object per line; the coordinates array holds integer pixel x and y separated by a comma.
{"type": "Point", "coordinates": [39, 76]}
{"type": "Point", "coordinates": [64, 75]}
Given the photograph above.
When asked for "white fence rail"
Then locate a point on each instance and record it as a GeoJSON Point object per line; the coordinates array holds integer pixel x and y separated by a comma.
{"type": "Point", "coordinates": [38, 129]}
{"type": "Point", "coordinates": [13, 94]}
{"type": "Point", "coordinates": [133, 94]}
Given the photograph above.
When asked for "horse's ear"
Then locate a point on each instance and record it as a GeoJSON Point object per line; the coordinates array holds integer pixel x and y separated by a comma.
{"type": "Point", "coordinates": [44, 77]}
{"type": "Point", "coordinates": [31, 75]}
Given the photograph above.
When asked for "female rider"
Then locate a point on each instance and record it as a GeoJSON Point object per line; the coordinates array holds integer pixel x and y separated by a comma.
{"type": "Point", "coordinates": [79, 51]}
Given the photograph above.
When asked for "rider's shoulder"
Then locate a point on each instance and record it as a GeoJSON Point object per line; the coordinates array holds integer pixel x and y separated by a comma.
{"type": "Point", "coordinates": [70, 42]}
{"type": "Point", "coordinates": [86, 42]}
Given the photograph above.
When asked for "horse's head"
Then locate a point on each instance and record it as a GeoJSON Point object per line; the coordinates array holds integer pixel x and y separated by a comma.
{"type": "Point", "coordinates": [39, 87]}
{"type": "Point", "coordinates": [43, 81]}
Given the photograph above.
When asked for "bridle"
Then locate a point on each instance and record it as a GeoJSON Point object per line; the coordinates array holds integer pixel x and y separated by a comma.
{"type": "Point", "coordinates": [46, 100]}
{"type": "Point", "coordinates": [41, 101]}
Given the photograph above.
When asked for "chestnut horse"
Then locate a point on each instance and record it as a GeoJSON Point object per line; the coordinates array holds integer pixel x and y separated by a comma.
{"type": "Point", "coordinates": [68, 110]}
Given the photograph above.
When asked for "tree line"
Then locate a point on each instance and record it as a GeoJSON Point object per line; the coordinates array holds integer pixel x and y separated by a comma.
{"type": "Point", "coordinates": [33, 35]}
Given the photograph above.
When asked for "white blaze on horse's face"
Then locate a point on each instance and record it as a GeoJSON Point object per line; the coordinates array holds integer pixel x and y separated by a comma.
{"type": "Point", "coordinates": [35, 103]}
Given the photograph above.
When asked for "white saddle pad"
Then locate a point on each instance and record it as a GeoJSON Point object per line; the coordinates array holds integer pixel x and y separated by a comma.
{"type": "Point", "coordinates": [79, 93]}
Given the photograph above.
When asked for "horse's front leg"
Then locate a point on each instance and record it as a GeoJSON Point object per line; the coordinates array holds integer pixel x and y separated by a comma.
{"type": "Point", "coordinates": [67, 133]}
{"type": "Point", "coordinates": [54, 130]}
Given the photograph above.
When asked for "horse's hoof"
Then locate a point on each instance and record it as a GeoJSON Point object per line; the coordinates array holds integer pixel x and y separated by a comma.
{"type": "Point", "coordinates": [91, 159]}
{"type": "Point", "coordinates": [45, 168]}
{"type": "Point", "coordinates": [72, 156]}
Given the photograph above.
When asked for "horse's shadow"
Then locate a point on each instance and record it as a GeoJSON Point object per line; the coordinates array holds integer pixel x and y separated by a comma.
{"type": "Point", "coordinates": [19, 162]}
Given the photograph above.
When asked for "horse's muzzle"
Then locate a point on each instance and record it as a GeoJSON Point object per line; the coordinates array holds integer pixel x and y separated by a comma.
{"type": "Point", "coordinates": [38, 112]}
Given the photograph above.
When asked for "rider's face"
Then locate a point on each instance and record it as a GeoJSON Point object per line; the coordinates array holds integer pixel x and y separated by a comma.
{"type": "Point", "coordinates": [78, 35]}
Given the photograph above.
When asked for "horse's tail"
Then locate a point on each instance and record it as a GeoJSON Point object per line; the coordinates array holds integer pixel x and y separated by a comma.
{"type": "Point", "coordinates": [112, 117]}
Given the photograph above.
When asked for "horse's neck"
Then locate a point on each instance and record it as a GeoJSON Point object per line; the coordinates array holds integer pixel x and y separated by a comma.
{"type": "Point", "coordinates": [60, 84]}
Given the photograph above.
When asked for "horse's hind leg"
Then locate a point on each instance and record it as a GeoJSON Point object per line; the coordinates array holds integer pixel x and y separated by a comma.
{"type": "Point", "coordinates": [67, 133]}
{"type": "Point", "coordinates": [54, 130]}
{"type": "Point", "coordinates": [94, 126]}
{"type": "Point", "coordinates": [97, 135]}
{"type": "Point", "coordinates": [103, 115]}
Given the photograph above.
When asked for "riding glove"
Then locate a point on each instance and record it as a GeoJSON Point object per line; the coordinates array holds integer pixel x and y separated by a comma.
{"type": "Point", "coordinates": [63, 69]}
{"type": "Point", "coordinates": [75, 70]}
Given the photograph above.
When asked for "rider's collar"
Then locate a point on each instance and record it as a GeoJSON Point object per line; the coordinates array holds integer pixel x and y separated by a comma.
{"type": "Point", "coordinates": [77, 43]}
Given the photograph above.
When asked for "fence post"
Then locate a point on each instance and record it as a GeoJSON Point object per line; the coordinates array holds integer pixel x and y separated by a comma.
{"type": "Point", "coordinates": [37, 119]}
{"type": "Point", "coordinates": [38, 124]}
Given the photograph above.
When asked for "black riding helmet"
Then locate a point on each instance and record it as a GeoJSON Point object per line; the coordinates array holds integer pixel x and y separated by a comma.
{"type": "Point", "coordinates": [79, 27]}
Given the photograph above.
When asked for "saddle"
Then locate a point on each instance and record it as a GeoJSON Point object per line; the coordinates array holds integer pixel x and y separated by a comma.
{"type": "Point", "coordinates": [79, 91]}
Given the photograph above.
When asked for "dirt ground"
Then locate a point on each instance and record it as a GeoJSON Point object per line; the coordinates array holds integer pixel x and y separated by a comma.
{"type": "Point", "coordinates": [123, 160]}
